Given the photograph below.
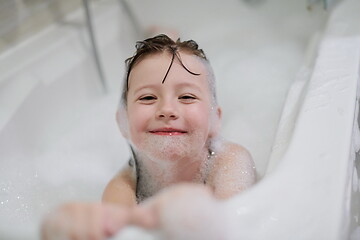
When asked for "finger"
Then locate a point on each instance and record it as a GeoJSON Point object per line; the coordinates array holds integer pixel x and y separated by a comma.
{"type": "Point", "coordinates": [77, 222]}
{"type": "Point", "coordinates": [54, 225]}
{"type": "Point", "coordinates": [114, 219]}
{"type": "Point", "coordinates": [94, 221]}
{"type": "Point", "coordinates": [144, 216]}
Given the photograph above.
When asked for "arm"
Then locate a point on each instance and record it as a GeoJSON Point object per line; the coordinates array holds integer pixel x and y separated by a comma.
{"type": "Point", "coordinates": [233, 171]}
{"type": "Point", "coordinates": [121, 190]}
{"type": "Point", "coordinates": [184, 211]}
{"type": "Point", "coordinates": [80, 220]}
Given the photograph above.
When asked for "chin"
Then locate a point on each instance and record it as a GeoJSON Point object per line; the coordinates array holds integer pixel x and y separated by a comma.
{"type": "Point", "coordinates": [168, 154]}
{"type": "Point", "coordinates": [171, 148]}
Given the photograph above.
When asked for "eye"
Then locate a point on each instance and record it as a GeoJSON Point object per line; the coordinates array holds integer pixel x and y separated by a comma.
{"type": "Point", "coordinates": [187, 98]}
{"type": "Point", "coordinates": [147, 99]}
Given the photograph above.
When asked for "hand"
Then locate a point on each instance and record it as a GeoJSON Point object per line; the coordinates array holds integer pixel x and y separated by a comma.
{"type": "Point", "coordinates": [93, 221]}
{"type": "Point", "coordinates": [181, 212]}
{"type": "Point", "coordinates": [185, 211]}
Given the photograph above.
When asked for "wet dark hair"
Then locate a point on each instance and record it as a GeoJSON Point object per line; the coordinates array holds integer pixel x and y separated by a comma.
{"type": "Point", "coordinates": [159, 44]}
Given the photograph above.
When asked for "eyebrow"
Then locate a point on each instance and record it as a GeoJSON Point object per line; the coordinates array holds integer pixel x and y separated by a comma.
{"type": "Point", "coordinates": [177, 86]}
{"type": "Point", "coordinates": [150, 86]}
{"type": "Point", "coordinates": [187, 84]}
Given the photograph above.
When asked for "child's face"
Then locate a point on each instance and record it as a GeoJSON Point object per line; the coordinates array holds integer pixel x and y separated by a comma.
{"type": "Point", "coordinates": [171, 120]}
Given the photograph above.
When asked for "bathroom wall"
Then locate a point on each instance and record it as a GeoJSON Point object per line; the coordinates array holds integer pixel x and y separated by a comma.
{"type": "Point", "coordinates": [47, 84]}
{"type": "Point", "coordinates": [21, 19]}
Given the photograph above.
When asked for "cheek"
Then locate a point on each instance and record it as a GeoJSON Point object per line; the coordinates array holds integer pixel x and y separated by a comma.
{"type": "Point", "coordinates": [138, 119]}
{"type": "Point", "coordinates": [199, 118]}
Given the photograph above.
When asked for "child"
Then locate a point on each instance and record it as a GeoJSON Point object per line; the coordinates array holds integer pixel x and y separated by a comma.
{"type": "Point", "coordinates": [170, 117]}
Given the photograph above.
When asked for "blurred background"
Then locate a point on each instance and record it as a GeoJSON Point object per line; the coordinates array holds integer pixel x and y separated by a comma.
{"type": "Point", "coordinates": [61, 68]}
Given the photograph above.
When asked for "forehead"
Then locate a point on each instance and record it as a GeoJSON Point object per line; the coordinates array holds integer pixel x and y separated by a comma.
{"type": "Point", "coordinates": [152, 70]}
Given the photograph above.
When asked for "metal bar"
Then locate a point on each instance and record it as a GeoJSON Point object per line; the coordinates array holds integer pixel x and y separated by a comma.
{"type": "Point", "coordinates": [133, 20]}
{"type": "Point", "coordinates": [94, 45]}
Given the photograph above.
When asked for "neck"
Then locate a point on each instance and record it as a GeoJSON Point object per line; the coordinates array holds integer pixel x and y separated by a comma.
{"type": "Point", "coordinates": [155, 175]}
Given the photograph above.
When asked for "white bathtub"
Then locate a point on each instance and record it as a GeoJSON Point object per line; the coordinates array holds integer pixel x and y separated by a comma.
{"type": "Point", "coordinates": [311, 187]}
{"type": "Point", "coordinates": [59, 140]}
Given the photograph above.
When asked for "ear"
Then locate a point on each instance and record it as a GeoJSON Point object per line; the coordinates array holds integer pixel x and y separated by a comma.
{"type": "Point", "coordinates": [216, 122]}
{"type": "Point", "coordinates": [121, 120]}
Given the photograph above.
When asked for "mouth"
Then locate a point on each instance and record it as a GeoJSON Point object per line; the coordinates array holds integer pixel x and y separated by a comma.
{"type": "Point", "coordinates": [168, 132]}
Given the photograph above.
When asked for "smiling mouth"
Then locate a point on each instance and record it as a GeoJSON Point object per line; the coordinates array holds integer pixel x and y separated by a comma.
{"type": "Point", "coordinates": [168, 132]}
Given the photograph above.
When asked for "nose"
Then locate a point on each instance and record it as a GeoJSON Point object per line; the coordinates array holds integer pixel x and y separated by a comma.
{"type": "Point", "coordinates": [167, 111]}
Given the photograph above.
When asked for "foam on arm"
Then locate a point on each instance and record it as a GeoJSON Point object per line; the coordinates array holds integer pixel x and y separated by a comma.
{"type": "Point", "coordinates": [233, 171]}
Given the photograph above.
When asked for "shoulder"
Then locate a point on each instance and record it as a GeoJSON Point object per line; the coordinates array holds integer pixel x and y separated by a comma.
{"type": "Point", "coordinates": [234, 147]}
{"type": "Point", "coordinates": [233, 153]}
{"type": "Point", "coordinates": [233, 170]}
{"type": "Point", "coordinates": [125, 175]}
{"type": "Point", "coordinates": [121, 188]}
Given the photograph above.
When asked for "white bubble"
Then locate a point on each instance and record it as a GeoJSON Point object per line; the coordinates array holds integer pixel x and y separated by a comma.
{"type": "Point", "coordinates": [172, 148]}
{"type": "Point", "coordinates": [163, 160]}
